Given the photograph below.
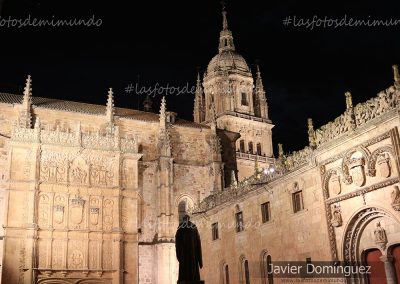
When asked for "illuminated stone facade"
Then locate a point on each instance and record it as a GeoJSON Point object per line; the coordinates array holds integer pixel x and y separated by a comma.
{"type": "Point", "coordinates": [93, 194]}
{"type": "Point", "coordinates": [90, 194]}
{"type": "Point", "coordinates": [337, 199]}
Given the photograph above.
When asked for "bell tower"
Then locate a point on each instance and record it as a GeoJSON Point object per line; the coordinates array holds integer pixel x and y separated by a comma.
{"type": "Point", "coordinates": [240, 104]}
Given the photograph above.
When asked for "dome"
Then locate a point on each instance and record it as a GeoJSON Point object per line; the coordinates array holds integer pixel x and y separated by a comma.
{"type": "Point", "coordinates": [228, 60]}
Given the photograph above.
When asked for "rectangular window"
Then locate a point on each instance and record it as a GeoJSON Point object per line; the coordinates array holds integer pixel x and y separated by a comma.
{"type": "Point", "coordinates": [244, 99]}
{"type": "Point", "coordinates": [297, 201]}
{"type": "Point", "coordinates": [239, 222]}
{"type": "Point", "coordinates": [265, 213]}
{"type": "Point", "coordinates": [214, 228]}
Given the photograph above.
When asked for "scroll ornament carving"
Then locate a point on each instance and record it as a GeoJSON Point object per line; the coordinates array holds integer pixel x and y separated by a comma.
{"type": "Point", "coordinates": [108, 214]}
{"type": "Point", "coordinates": [77, 138]}
{"type": "Point", "coordinates": [363, 112]}
{"type": "Point", "coordinates": [44, 203]}
{"type": "Point", "coordinates": [298, 158]}
{"type": "Point", "coordinates": [395, 196]}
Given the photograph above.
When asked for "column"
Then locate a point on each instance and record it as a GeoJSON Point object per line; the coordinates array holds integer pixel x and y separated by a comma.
{"type": "Point", "coordinates": [389, 269]}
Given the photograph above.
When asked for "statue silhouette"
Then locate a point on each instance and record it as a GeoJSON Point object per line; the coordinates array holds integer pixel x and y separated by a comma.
{"type": "Point", "coordinates": [188, 252]}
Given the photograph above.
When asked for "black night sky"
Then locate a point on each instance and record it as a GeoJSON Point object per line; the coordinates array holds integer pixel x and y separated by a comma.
{"type": "Point", "coordinates": [305, 72]}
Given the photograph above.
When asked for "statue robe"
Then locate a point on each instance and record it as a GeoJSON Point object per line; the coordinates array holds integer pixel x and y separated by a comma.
{"type": "Point", "coordinates": [188, 252]}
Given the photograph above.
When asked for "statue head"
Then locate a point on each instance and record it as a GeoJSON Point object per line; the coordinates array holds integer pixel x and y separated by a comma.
{"type": "Point", "coordinates": [186, 218]}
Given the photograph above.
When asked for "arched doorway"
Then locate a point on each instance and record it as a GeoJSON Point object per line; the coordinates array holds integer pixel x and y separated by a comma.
{"type": "Point", "coordinates": [377, 272]}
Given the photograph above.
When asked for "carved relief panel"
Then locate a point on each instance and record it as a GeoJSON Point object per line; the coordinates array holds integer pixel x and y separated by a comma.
{"type": "Point", "coordinates": [53, 167]}
{"type": "Point", "coordinates": [108, 214]}
{"type": "Point", "coordinates": [44, 210]}
{"type": "Point", "coordinates": [94, 212]}
{"type": "Point", "coordinates": [76, 255]}
{"type": "Point", "coordinates": [79, 171]}
{"type": "Point", "coordinates": [58, 252]}
{"type": "Point", "coordinates": [76, 212]}
{"type": "Point", "coordinates": [59, 210]}
{"type": "Point", "coordinates": [107, 255]}
{"type": "Point", "coordinates": [356, 171]}
{"type": "Point", "coordinates": [94, 255]}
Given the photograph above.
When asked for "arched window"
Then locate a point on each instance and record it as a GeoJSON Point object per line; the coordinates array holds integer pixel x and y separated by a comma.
{"type": "Point", "coordinates": [259, 149]}
{"type": "Point", "coordinates": [225, 274]}
{"type": "Point", "coordinates": [241, 146]}
{"type": "Point", "coordinates": [244, 271]}
{"type": "Point", "coordinates": [251, 147]}
{"type": "Point", "coordinates": [266, 269]}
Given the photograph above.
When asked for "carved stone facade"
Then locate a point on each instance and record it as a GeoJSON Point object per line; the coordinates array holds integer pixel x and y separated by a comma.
{"type": "Point", "coordinates": [347, 182]}
{"type": "Point", "coordinates": [93, 194]}
{"type": "Point", "coordinates": [90, 194]}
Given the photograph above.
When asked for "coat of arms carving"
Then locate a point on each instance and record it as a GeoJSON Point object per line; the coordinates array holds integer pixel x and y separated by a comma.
{"type": "Point", "coordinates": [334, 184]}
{"type": "Point", "coordinates": [77, 204]}
{"type": "Point", "coordinates": [356, 166]}
{"type": "Point", "coordinates": [383, 165]}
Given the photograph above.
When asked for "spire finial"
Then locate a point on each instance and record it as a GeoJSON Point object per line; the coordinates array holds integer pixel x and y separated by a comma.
{"type": "Point", "coordinates": [349, 100]}
{"type": "Point", "coordinates": [224, 21]}
{"type": "Point", "coordinates": [396, 76]}
{"type": "Point", "coordinates": [311, 133]}
{"type": "Point", "coordinates": [110, 105]}
{"type": "Point", "coordinates": [258, 71]}
{"type": "Point", "coordinates": [198, 109]}
{"type": "Point", "coordinates": [27, 91]}
{"type": "Point", "coordinates": [225, 38]}
{"type": "Point", "coordinates": [163, 108]}
{"type": "Point", "coordinates": [25, 116]}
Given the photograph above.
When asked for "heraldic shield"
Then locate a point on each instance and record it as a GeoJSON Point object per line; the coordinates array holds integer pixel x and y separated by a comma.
{"type": "Point", "coordinates": [383, 165]}
{"type": "Point", "coordinates": [357, 171]}
{"type": "Point", "coordinates": [334, 184]}
{"type": "Point", "coordinates": [77, 204]}
{"type": "Point", "coordinates": [58, 213]}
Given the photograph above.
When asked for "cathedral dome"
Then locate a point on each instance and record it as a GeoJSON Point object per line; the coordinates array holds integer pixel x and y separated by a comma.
{"type": "Point", "coordinates": [227, 60]}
